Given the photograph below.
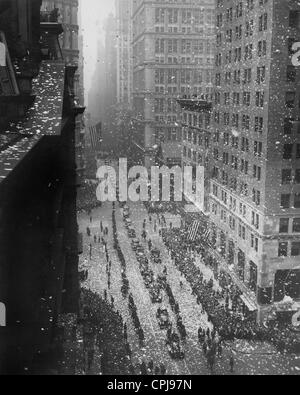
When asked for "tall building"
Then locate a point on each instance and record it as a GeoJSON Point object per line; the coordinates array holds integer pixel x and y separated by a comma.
{"type": "Point", "coordinates": [124, 53]}
{"type": "Point", "coordinates": [38, 219]}
{"type": "Point", "coordinates": [196, 140]}
{"type": "Point", "coordinates": [71, 45]}
{"type": "Point", "coordinates": [255, 190]}
{"type": "Point", "coordinates": [172, 57]}
{"type": "Point", "coordinates": [110, 62]}
{"type": "Point", "coordinates": [110, 87]}
{"type": "Point", "coordinates": [96, 94]}
{"type": "Point", "coordinates": [68, 16]}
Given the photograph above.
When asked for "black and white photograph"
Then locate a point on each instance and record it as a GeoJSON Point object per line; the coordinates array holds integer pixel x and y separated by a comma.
{"type": "Point", "coordinates": [149, 190]}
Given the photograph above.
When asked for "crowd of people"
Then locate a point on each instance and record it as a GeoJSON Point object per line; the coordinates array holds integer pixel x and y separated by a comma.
{"type": "Point", "coordinates": [103, 335]}
{"type": "Point", "coordinates": [222, 306]}
{"type": "Point", "coordinates": [87, 198]}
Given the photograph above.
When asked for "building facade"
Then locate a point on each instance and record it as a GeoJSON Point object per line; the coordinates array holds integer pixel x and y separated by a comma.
{"type": "Point", "coordinates": [173, 56]}
{"type": "Point", "coordinates": [255, 185]}
{"type": "Point", "coordinates": [38, 218]}
{"type": "Point", "coordinates": [124, 53]}
{"type": "Point", "coordinates": [71, 43]}
{"type": "Point", "coordinates": [197, 140]}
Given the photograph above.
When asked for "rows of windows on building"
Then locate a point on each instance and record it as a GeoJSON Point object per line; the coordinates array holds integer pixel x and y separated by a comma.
{"type": "Point", "coordinates": [240, 213]}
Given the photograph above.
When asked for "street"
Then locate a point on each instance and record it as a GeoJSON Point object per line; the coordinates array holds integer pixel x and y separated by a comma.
{"type": "Point", "coordinates": [250, 359]}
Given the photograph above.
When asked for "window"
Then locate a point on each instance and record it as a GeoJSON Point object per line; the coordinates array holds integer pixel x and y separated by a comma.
{"type": "Point", "coordinates": [246, 98]}
{"type": "Point", "coordinates": [258, 148]}
{"type": "Point", "coordinates": [257, 172]}
{"type": "Point", "coordinates": [297, 176]}
{"type": "Point", "coordinates": [288, 126]}
{"type": "Point", "coordinates": [290, 99]}
{"type": "Point", "coordinates": [285, 201]}
{"type": "Point", "coordinates": [296, 225]}
{"type": "Point", "coordinates": [261, 74]}
{"type": "Point", "coordinates": [284, 225]}
{"type": "Point", "coordinates": [297, 200]}
{"type": "Point", "coordinates": [263, 22]}
{"type": "Point", "coordinates": [247, 76]}
{"type": "Point", "coordinates": [262, 48]}
{"type": "Point", "coordinates": [260, 98]}
{"type": "Point", "coordinates": [283, 249]}
{"type": "Point", "coordinates": [296, 248]}
{"type": "Point", "coordinates": [259, 124]}
{"type": "Point", "coordinates": [294, 20]}
{"type": "Point", "coordinates": [291, 73]}
{"type": "Point", "coordinates": [287, 151]}
{"type": "Point", "coordinates": [286, 176]}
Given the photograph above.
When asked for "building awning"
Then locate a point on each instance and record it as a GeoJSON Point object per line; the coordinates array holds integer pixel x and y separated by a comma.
{"type": "Point", "coordinates": [249, 303]}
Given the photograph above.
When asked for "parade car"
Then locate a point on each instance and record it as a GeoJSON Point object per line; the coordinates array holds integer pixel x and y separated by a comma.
{"type": "Point", "coordinates": [141, 258]}
{"type": "Point", "coordinates": [135, 244]}
{"type": "Point", "coordinates": [155, 294]}
{"type": "Point", "coordinates": [128, 223]}
{"type": "Point", "coordinates": [174, 347]}
{"type": "Point", "coordinates": [131, 233]}
{"type": "Point", "coordinates": [162, 280]}
{"type": "Point", "coordinates": [163, 318]}
{"type": "Point", "coordinates": [148, 278]}
{"type": "Point", "coordinates": [155, 255]}
{"type": "Point", "coordinates": [140, 249]}
{"type": "Point", "coordinates": [125, 214]}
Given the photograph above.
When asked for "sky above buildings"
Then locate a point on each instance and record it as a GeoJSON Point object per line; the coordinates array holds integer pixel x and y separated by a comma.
{"type": "Point", "coordinates": [93, 15]}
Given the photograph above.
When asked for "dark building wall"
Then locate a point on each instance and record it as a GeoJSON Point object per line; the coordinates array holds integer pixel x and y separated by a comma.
{"type": "Point", "coordinates": [38, 228]}
{"type": "Point", "coordinates": [39, 259]}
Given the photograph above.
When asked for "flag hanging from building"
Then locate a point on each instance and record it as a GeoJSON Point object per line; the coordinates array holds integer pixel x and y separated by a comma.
{"type": "Point", "coordinates": [95, 136]}
{"type": "Point", "coordinates": [193, 230]}
{"type": "Point", "coordinates": [206, 235]}
{"type": "Point", "coordinates": [2, 55]}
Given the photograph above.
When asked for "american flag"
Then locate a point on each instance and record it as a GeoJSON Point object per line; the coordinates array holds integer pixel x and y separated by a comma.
{"type": "Point", "coordinates": [193, 230]}
{"type": "Point", "coordinates": [94, 136]}
{"type": "Point", "coordinates": [206, 234]}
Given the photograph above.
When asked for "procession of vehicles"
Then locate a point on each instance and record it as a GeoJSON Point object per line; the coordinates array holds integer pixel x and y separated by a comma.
{"type": "Point", "coordinates": [156, 284]}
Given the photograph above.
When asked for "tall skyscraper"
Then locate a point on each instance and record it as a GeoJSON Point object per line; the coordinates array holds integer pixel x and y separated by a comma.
{"type": "Point", "coordinates": [255, 190]}
{"type": "Point", "coordinates": [110, 62]}
{"type": "Point", "coordinates": [124, 53]}
{"type": "Point", "coordinates": [68, 11]}
{"type": "Point", "coordinates": [173, 56]}
{"type": "Point", "coordinates": [68, 16]}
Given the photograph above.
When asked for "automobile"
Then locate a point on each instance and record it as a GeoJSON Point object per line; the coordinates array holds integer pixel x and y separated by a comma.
{"type": "Point", "coordinates": [141, 258]}
{"type": "Point", "coordinates": [162, 279]}
{"type": "Point", "coordinates": [148, 278]}
{"type": "Point", "coordinates": [126, 212]}
{"type": "Point", "coordinates": [135, 244]}
{"type": "Point", "coordinates": [131, 233]}
{"type": "Point", "coordinates": [155, 253]}
{"type": "Point", "coordinates": [174, 347]}
{"type": "Point", "coordinates": [155, 295]}
{"type": "Point", "coordinates": [163, 318]}
{"type": "Point", "coordinates": [128, 223]}
{"type": "Point", "coordinates": [140, 249]}
{"type": "Point", "coordinates": [158, 261]}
